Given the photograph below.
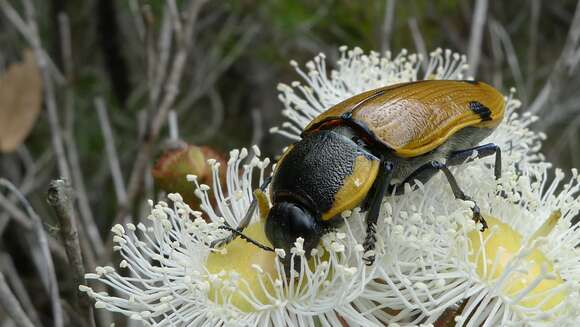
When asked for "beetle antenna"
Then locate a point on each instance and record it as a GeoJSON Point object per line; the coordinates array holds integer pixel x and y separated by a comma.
{"type": "Point", "coordinates": [247, 238]}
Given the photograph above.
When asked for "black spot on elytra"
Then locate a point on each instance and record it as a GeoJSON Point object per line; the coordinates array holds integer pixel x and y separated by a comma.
{"type": "Point", "coordinates": [482, 111]}
{"type": "Point", "coordinates": [470, 82]}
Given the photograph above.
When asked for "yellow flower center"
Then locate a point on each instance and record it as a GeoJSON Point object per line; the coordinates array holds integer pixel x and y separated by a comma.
{"type": "Point", "coordinates": [240, 258]}
{"type": "Point", "coordinates": [500, 249]}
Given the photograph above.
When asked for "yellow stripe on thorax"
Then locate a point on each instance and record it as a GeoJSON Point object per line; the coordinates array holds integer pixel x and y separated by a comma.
{"type": "Point", "coordinates": [355, 186]}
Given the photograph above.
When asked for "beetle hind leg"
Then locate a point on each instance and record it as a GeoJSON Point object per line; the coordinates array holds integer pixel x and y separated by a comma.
{"type": "Point", "coordinates": [486, 150]}
{"type": "Point", "coordinates": [425, 172]}
{"type": "Point", "coordinates": [459, 194]}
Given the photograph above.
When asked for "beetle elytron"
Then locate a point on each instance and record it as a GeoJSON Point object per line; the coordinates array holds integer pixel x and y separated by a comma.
{"type": "Point", "coordinates": [350, 154]}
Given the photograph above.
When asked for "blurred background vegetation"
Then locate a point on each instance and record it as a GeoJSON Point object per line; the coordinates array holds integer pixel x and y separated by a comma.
{"type": "Point", "coordinates": [120, 56]}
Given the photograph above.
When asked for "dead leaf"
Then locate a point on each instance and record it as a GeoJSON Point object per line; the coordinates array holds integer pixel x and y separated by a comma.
{"type": "Point", "coordinates": [20, 101]}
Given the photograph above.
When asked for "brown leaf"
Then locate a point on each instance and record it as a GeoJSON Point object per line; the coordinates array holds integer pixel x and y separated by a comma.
{"type": "Point", "coordinates": [20, 101]}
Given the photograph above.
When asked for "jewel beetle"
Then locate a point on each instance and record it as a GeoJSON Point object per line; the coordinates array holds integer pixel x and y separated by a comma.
{"type": "Point", "coordinates": [369, 146]}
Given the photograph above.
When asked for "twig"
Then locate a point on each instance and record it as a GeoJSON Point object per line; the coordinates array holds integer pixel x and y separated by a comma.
{"type": "Point", "coordinates": [114, 165]}
{"type": "Point", "coordinates": [551, 89]}
{"type": "Point", "coordinates": [159, 117]}
{"type": "Point", "coordinates": [18, 215]}
{"type": "Point", "coordinates": [216, 118]}
{"type": "Point", "coordinates": [213, 67]}
{"type": "Point", "coordinates": [137, 19]}
{"type": "Point", "coordinates": [26, 32]}
{"type": "Point", "coordinates": [418, 39]}
{"type": "Point", "coordinates": [13, 277]}
{"type": "Point", "coordinates": [40, 237]}
{"type": "Point", "coordinates": [388, 23]}
{"type": "Point", "coordinates": [29, 30]}
{"type": "Point", "coordinates": [478, 19]}
{"type": "Point", "coordinates": [11, 305]}
{"type": "Point", "coordinates": [533, 46]}
{"type": "Point", "coordinates": [59, 198]}
{"type": "Point", "coordinates": [93, 241]}
{"type": "Point", "coordinates": [257, 127]}
{"type": "Point", "coordinates": [511, 56]}
{"type": "Point", "coordinates": [24, 222]}
{"type": "Point", "coordinates": [173, 126]}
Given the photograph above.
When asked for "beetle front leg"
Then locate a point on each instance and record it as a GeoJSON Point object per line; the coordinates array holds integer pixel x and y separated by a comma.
{"type": "Point", "coordinates": [245, 221]}
{"type": "Point", "coordinates": [375, 198]}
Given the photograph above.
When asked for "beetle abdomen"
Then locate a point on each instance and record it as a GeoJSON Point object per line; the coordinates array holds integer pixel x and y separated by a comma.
{"type": "Point", "coordinates": [325, 171]}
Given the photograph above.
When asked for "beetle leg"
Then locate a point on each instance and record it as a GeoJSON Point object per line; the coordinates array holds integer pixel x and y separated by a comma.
{"type": "Point", "coordinates": [425, 172]}
{"type": "Point", "coordinates": [458, 193]}
{"type": "Point", "coordinates": [245, 221]}
{"type": "Point", "coordinates": [374, 201]}
{"type": "Point", "coordinates": [486, 150]}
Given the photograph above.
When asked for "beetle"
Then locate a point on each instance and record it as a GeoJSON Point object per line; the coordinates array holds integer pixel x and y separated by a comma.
{"type": "Point", "coordinates": [369, 146]}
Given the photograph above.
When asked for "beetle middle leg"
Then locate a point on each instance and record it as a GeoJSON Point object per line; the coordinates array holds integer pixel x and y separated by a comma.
{"type": "Point", "coordinates": [425, 172]}
{"type": "Point", "coordinates": [375, 198]}
{"type": "Point", "coordinates": [245, 221]}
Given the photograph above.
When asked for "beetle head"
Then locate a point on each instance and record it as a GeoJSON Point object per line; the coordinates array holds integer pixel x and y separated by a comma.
{"type": "Point", "coordinates": [285, 223]}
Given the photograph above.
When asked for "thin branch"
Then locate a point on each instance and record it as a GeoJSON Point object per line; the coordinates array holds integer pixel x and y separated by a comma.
{"type": "Point", "coordinates": [561, 70]}
{"type": "Point", "coordinates": [511, 56]}
{"type": "Point", "coordinates": [170, 92]}
{"type": "Point", "coordinates": [11, 305]}
{"type": "Point", "coordinates": [18, 215]}
{"type": "Point", "coordinates": [533, 46]}
{"type": "Point", "coordinates": [419, 41]}
{"type": "Point", "coordinates": [60, 199]}
{"type": "Point", "coordinates": [114, 165]}
{"type": "Point", "coordinates": [41, 239]}
{"type": "Point", "coordinates": [388, 23]}
{"type": "Point", "coordinates": [173, 126]}
{"type": "Point", "coordinates": [8, 268]}
{"type": "Point", "coordinates": [92, 242]}
{"type": "Point", "coordinates": [26, 32]}
{"type": "Point", "coordinates": [478, 19]}
{"type": "Point", "coordinates": [29, 30]}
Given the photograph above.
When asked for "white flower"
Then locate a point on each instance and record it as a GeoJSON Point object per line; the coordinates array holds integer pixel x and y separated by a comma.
{"type": "Point", "coordinates": [170, 275]}
{"type": "Point", "coordinates": [524, 270]}
{"type": "Point", "coordinates": [357, 72]}
{"type": "Point", "coordinates": [430, 243]}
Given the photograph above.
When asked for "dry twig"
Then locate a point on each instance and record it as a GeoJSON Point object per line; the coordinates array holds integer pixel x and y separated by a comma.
{"type": "Point", "coordinates": [11, 305]}
{"type": "Point", "coordinates": [43, 253]}
{"type": "Point", "coordinates": [474, 51]}
{"type": "Point", "coordinates": [13, 277]}
{"type": "Point", "coordinates": [59, 198]}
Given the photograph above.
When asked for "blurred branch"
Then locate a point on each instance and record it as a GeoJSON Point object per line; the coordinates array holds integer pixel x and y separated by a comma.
{"type": "Point", "coordinates": [388, 24]}
{"type": "Point", "coordinates": [418, 39]}
{"type": "Point", "coordinates": [92, 243]}
{"type": "Point", "coordinates": [8, 268]}
{"type": "Point", "coordinates": [533, 46]}
{"type": "Point", "coordinates": [183, 35]}
{"type": "Point", "coordinates": [475, 40]}
{"type": "Point", "coordinates": [562, 68]}
{"type": "Point", "coordinates": [11, 305]}
{"type": "Point", "coordinates": [47, 270]}
{"type": "Point", "coordinates": [59, 198]}
{"type": "Point", "coordinates": [108, 37]}
{"type": "Point", "coordinates": [114, 165]}
{"type": "Point", "coordinates": [512, 59]}
{"type": "Point", "coordinates": [29, 30]}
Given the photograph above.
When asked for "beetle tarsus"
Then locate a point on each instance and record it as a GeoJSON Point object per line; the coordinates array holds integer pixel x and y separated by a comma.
{"type": "Point", "coordinates": [369, 244]}
{"type": "Point", "coordinates": [478, 218]}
